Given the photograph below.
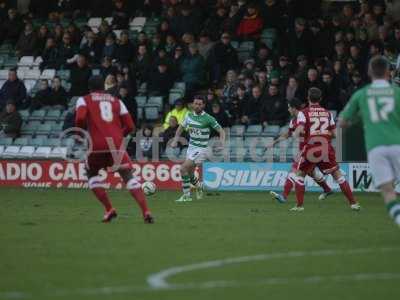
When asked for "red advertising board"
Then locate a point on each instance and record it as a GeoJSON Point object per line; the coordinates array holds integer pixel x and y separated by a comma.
{"type": "Point", "coordinates": [66, 174]}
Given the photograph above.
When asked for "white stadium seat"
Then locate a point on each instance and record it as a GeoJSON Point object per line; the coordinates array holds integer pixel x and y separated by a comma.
{"type": "Point", "coordinates": [94, 22]}
{"type": "Point", "coordinates": [26, 61]}
{"type": "Point", "coordinates": [48, 74]}
{"type": "Point", "coordinates": [26, 152]}
{"type": "Point", "coordinates": [1, 150]}
{"type": "Point", "coordinates": [109, 20]}
{"type": "Point", "coordinates": [32, 74]}
{"type": "Point", "coordinates": [138, 21]}
{"type": "Point", "coordinates": [59, 152]}
{"type": "Point", "coordinates": [4, 74]}
{"type": "Point", "coordinates": [29, 84]}
{"type": "Point", "coordinates": [42, 152]}
{"type": "Point", "coordinates": [11, 152]}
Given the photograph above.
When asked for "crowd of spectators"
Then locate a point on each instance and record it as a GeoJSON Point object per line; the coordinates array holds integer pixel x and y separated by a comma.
{"type": "Point", "coordinates": [313, 46]}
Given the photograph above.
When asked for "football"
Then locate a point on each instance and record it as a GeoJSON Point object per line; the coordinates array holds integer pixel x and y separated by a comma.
{"type": "Point", "coordinates": [149, 188]}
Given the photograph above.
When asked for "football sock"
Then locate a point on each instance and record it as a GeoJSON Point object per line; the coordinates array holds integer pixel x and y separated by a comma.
{"type": "Point", "coordinates": [194, 180]}
{"type": "Point", "coordinates": [393, 208]}
{"type": "Point", "coordinates": [102, 196]}
{"type": "Point", "coordinates": [346, 190]}
{"type": "Point", "coordinates": [287, 187]}
{"type": "Point", "coordinates": [300, 189]}
{"type": "Point", "coordinates": [135, 189]}
{"type": "Point", "coordinates": [322, 183]}
{"type": "Point", "coordinates": [186, 185]}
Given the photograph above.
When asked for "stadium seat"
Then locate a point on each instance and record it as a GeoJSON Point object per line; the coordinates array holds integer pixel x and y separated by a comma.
{"type": "Point", "coordinates": [172, 153]}
{"type": "Point", "coordinates": [109, 20]}
{"type": "Point", "coordinates": [21, 142]}
{"type": "Point", "coordinates": [4, 74]}
{"type": "Point", "coordinates": [29, 85]}
{"type": "Point", "coordinates": [10, 62]}
{"type": "Point", "coordinates": [21, 73]}
{"type": "Point", "coordinates": [25, 152]}
{"type": "Point", "coordinates": [117, 33]}
{"type": "Point", "coordinates": [180, 86]}
{"type": "Point", "coordinates": [271, 130]}
{"type": "Point", "coordinates": [1, 150]}
{"type": "Point", "coordinates": [37, 115]}
{"type": "Point", "coordinates": [94, 22]}
{"type": "Point", "coordinates": [57, 127]}
{"type": "Point", "coordinates": [37, 142]}
{"type": "Point", "coordinates": [140, 113]}
{"type": "Point", "coordinates": [24, 114]}
{"type": "Point", "coordinates": [173, 97]}
{"type": "Point", "coordinates": [53, 115]}
{"type": "Point", "coordinates": [141, 101]}
{"type": "Point", "coordinates": [59, 152]}
{"type": "Point", "coordinates": [142, 89]}
{"type": "Point", "coordinates": [155, 101]}
{"type": "Point", "coordinates": [5, 141]}
{"type": "Point", "coordinates": [38, 61]}
{"type": "Point", "coordinates": [235, 44]}
{"type": "Point", "coordinates": [52, 142]}
{"type": "Point", "coordinates": [252, 142]}
{"type": "Point", "coordinates": [48, 74]}
{"type": "Point", "coordinates": [96, 72]}
{"type": "Point", "coordinates": [334, 113]}
{"type": "Point", "coordinates": [26, 61]}
{"type": "Point", "coordinates": [72, 102]}
{"type": "Point", "coordinates": [33, 74]}
{"type": "Point", "coordinates": [253, 130]}
{"type": "Point", "coordinates": [137, 24]}
{"type": "Point", "coordinates": [42, 152]}
{"type": "Point", "coordinates": [69, 142]}
{"type": "Point", "coordinates": [237, 130]}
{"type": "Point", "coordinates": [11, 152]}
{"type": "Point", "coordinates": [2, 82]}
{"type": "Point", "coordinates": [44, 129]}
{"type": "Point", "coordinates": [151, 113]}
{"type": "Point", "coordinates": [29, 128]}
{"type": "Point", "coordinates": [64, 74]}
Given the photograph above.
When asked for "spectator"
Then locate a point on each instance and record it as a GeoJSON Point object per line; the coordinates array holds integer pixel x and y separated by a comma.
{"type": "Point", "coordinates": [251, 25]}
{"type": "Point", "coordinates": [146, 142]}
{"type": "Point", "coordinates": [50, 55]}
{"type": "Point", "coordinates": [231, 84]}
{"type": "Point", "coordinates": [223, 57]}
{"type": "Point", "coordinates": [179, 112]}
{"type": "Point", "coordinates": [205, 45]}
{"type": "Point", "coordinates": [26, 45]}
{"type": "Point", "coordinates": [355, 84]}
{"type": "Point", "coordinates": [66, 52]}
{"type": "Point", "coordinates": [110, 46]}
{"type": "Point", "coordinates": [299, 40]}
{"type": "Point", "coordinates": [42, 96]}
{"type": "Point", "coordinates": [313, 80]}
{"type": "Point", "coordinates": [110, 85]}
{"type": "Point", "coordinates": [128, 100]}
{"type": "Point", "coordinates": [252, 108]}
{"type": "Point", "coordinates": [331, 92]}
{"type": "Point", "coordinates": [220, 115]}
{"type": "Point", "coordinates": [80, 75]}
{"type": "Point", "coordinates": [125, 49]}
{"type": "Point", "coordinates": [272, 14]}
{"type": "Point", "coordinates": [58, 94]}
{"type": "Point", "coordinates": [192, 69]}
{"type": "Point", "coordinates": [185, 22]}
{"type": "Point", "coordinates": [293, 90]}
{"type": "Point", "coordinates": [10, 121]}
{"type": "Point", "coordinates": [58, 33]}
{"type": "Point", "coordinates": [142, 64]}
{"type": "Point", "coordinates": [120, 15]}
{"type": "Point", "coordinates": [274, 108]}
{"type": "Point", "coordinates": [12, 27]}
{"type": "Point", "coordinates": [284, 68]}
{"type": "Point", "coordinates": [215, 23]}
{"type": "Point", "coordinates": [263, 55]}
{"type": "Point", "coordinates": [160, 81]}
{"type": "Point", "coordinates": [13, 89]}
{"type": "Point", "coordinates": [235, 107]}
{"type": "Point", "coordinates": [169, 133]}
{"type": "Point", "coordinates": [107, 67]}
{"type": "Point", "coordinates": [91, 48]}
{"type": "Point", "coordinates": [41, 39]}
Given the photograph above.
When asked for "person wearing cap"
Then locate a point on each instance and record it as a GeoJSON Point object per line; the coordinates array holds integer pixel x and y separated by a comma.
{"type": "Point", "coordinates": [251, 25]}
{"type": "Point", "coordinates": [161, 80]}
{"type": "Point", "coordinates": [222, 58]}
{"type": "Point", "coordinates": [193, 69]}
{"type": "Point", "coordinates": [179, 112]}
{"type": "Point", "coordinates": [10, 121]}
{"type": "Point", "coordinates": [13, 88]}
{"type": "Point", "coordinates": [299, 41]}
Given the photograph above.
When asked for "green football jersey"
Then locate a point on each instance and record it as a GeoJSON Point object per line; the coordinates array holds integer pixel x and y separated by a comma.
{"type": "Point", "coordinates": [378, 105]}
{"type": "Point", "coordinates": [199, 127]}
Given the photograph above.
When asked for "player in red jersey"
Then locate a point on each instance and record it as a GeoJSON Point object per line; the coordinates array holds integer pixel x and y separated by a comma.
{"type": "Point", "coordinates": [294, 107]}
{"type": "Point", "coordinates": [317, 127]}
{"type": "Point", "coordinates": [108, 121]}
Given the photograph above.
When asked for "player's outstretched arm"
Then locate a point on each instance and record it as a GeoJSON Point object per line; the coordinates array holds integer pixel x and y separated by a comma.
{"type": "Point", "coordinates": [282, 137]}
{"type": "Point", "coordinates": [128, 124]}
{"type": "Point", "coordinates": [81, 113]}
{"type": "Point", "coordinates": [178, 134]}
{"type": "Point", "coordinates": [299, 131]}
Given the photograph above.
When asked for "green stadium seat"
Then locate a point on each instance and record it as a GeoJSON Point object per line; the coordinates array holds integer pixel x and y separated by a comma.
{"type": "Point", "coordinates": [24, 114]}
{"type": "Point", "coordinates": [141, 101]}
{"type": "Point", "coordinates": [64, 74]}
{"type": "Point", "coordinates": [151, 113]}
{"type": "Point", "coordinates": [52, 142]}
{"type": "Point", "coordinates": [155, 101]}
{"type": "Point", "coordinates": [237, 130]}
{"type": "Point", "coordinates": [173, 97]}
{"type": "Point", "coordinates": [53, 115]}
{"type": "Point", "coordinates": [30, 127]}
{"type": "Point", "coordinates": [21, 142]}
{"type": "Point", "coordinates": [5, 141]}
{"type": "Point", "coordinates": [271, 130]}
{"type": "Point", "coordinates": [37, 115]}
{"type": "Point", "coordinates": [253, 130]}
{"type": "Point", "coordinates": [57, 127]}
{"type": "Point", "coordinates": [42, 152]}
{"type": "Point", "coordinates": [44, 129]}
{"type": "Point", "coordinates": [37, 142]}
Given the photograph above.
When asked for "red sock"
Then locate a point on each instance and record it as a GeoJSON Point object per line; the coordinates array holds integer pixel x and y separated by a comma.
{"type": "Point", "coordinates": [102, 196]}
{"type": "Point", "coordinates": [300, 189]}
{"type": "Point", "coordinates": [287, 187]}
{"type": "Point", "coordinates": [322, 183]}
{"type": "Point", "coordinates": [134, 187]}
{"type": "Point", "coordinates": [345, 187]}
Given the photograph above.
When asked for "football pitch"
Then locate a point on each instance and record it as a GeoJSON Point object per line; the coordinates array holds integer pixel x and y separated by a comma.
{"type": "Point", "coordinates": [226, 247]}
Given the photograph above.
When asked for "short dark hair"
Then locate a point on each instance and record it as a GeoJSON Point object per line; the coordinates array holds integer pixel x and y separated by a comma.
{"type": "Point", "coordinates": [314, 95]}
{"type": "Point", "coordinates": [378, 66]}
{"type": "Point", "coordinates": [200, 97]}
{"type": "Point", "coordinates": [295, 103]}
{"type": "Point", "coordinates": [96, 83]}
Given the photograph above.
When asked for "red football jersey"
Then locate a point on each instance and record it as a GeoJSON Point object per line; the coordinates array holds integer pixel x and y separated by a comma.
{"type": "Point", "coordinates": [318, 123]}
{"type": "Point", "coordinates": [105, 117]}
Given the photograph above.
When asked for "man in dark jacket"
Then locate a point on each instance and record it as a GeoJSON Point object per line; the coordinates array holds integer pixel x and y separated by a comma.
{"type": "Point", "coordinates": [331, 92]}
{"type": "Point", "coordinates": [299, 41]}
{"type": "Point", "coordinates": [252, 108]}
{"type": "Point", "coordinates": [42, 96]}
{"type": "Point", "coordinates": [125, 50]}
{"type": "Point", "coordinates": [80, 75]}
{"type": "Point", "coordinates": [160, 81]}
{"type": "Point", "coordinates": [10, 121]}
{"type": "Point", "coordinates": [11, 27]}
{"type": "Point", "coordinates": [13, 89]}
{"type": "Point", "coordinates": [274, 111]}
{"type": "Point", "coordinates": [26, 45]}
{"type": "Point", "coordinates": [222, 58]}
{"type": "Point", "coordinates": [92, 48]}
{"type": "Point", "coordinates": [128, 100]}
{"type": "Point", "coordinates": [185, 22]}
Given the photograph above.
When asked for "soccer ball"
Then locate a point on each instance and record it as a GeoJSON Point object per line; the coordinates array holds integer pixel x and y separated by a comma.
{"type": "Point", "coordinates": [149, 188]}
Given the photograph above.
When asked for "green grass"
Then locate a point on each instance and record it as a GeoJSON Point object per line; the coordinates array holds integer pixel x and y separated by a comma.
{"type": "Point", "coordinates": [52, 246]}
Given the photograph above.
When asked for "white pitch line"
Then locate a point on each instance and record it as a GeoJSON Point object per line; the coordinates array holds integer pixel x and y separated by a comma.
{"type": "Point", "coordinates": [159, 280]}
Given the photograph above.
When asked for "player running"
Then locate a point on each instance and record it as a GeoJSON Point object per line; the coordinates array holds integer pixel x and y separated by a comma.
{"type": "Point", "coordinates": [294, 107]}
{"type": "Point", "coordinates": [199, 124]}
{"type": "Point", "coordinates": [378, 104]}
{"type": "Point", "coordinates": [108, 121]}
{"type": "Point", "coordinates": [317, 126]}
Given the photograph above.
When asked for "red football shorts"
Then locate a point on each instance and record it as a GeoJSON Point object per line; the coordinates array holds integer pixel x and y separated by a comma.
{"type": "Point", "coordinates": [311, 157]}
{"type": "Point", "coordinates": [106, 160]}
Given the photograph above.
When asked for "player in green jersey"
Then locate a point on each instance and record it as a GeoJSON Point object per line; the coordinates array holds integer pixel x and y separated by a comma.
{"type": "Point", "coordinates": [378, 105]}
{"type": "Point", "coordinates": [199, 124]}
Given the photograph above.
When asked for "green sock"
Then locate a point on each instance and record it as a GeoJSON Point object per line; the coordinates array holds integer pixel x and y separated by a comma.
{"type": "Point", "coordinates": [194, 180]}
{"type": "Point", "coordinates": [393, 208]}
{"type": "Point", "coordinates": [186, 185]}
